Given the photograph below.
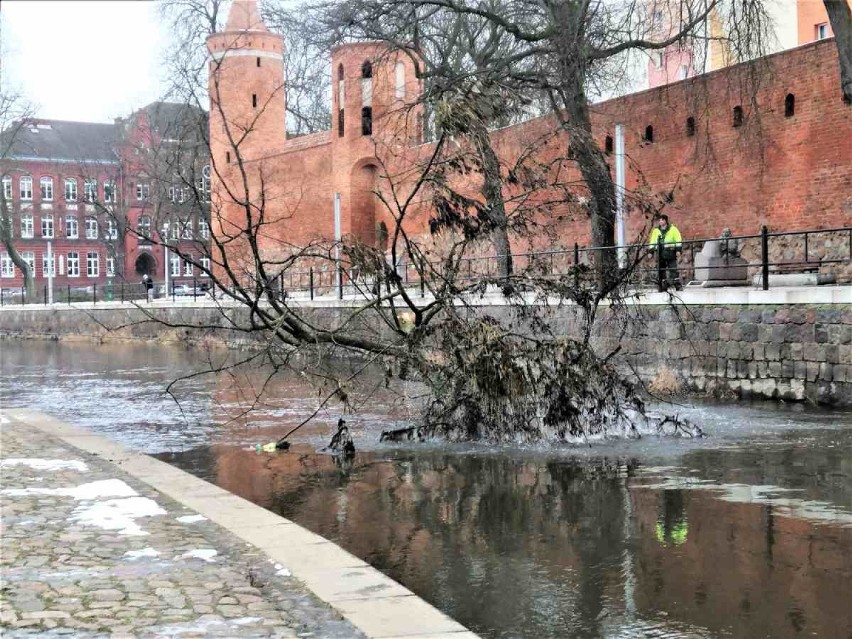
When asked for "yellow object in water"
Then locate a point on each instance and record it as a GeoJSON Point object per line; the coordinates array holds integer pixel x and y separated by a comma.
{"type": "Point", "coordinates": [266, 448]}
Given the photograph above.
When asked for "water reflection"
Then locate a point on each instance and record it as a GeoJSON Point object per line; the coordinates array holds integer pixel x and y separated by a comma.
{"type": "Point", "coordinates": [561, 547]}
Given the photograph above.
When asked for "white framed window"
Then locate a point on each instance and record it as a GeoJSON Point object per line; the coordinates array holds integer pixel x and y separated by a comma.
{"type": "Point", "coordinates": [25, 186]}
{"type": "Point", "coordinates": [73, 264]}
{"type": "Point", "coordinates": [46, 189]}
{"type": "Point", "coordinates": [143, 226]}
{"type": "Point", "coordinates": [110, 266]}
{"type": "Point", "coordinates": [93, 264]}
{"type": "Point", "coordinates": [187, 268]}
{"type": "Point", "coordinates": [48, 266]}
{"type": "Point", "coordinates": [7, 266]}
{"type": "Point", "coordinates": [72, 227]}
{"type": "Point", "coordinates": [174, 265]}
{"type": "Point", "coordinates": [682, 72]}
{"type": "Point", "coordinates": [90, 190]}
{"type": "Point", "coordinates": [399, 70]}
{"type": "Point", "coordinates": [143, 191]}
{"type": "Point", "coordinates": [205, 183]}
{"type": "Point", "coordinates": [109, 191]}
{"type": "Point", "coordinates": [47, 226]}
{"type": "Point", "coordinates": [186, 232]}
{"type": "Point", "coordinates": [175, 230]}
{"type": "Point", "coordinates": [164, 230]}
{"type": "Point", "coordinates": [111, 229]}
{"type": "Point", "coordinates": [91, 228]}
{"type": "Point", "coordinates": [7, 187]}
{"type": "Point", "coordinates": [29, 258]}
{"type": "Point", "coordinates": [204, 262]}
{"type": "Point", "coordinates": [26, 225]}
{"type": "Point", "coordinates": [660, 58]}
{"type": "Point", "coordinates": [173, 193]}
{"type": "Point", "coordinates": [70, 189]}
{"type": "Point", "coordinates": [821, 31]}
{"type": "Point", "coordinates": [203, 229]}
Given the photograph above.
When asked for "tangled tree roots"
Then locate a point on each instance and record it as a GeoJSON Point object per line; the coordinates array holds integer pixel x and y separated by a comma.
{"type": "Point", "coordinates": [506, 388]}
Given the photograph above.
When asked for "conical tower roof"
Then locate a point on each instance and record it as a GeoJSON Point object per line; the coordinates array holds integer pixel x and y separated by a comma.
{"type": "Point", "coordinates": [245, 16]}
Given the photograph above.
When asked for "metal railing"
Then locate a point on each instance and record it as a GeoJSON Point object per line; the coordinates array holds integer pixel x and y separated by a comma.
{"type": "Point", "coordinates": [797, 249]}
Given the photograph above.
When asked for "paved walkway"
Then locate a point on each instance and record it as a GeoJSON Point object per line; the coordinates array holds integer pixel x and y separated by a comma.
{"type": "Point", "coordinates": [89, 551]}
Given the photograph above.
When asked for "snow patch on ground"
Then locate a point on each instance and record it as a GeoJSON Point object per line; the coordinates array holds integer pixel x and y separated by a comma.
{"type": "Point", "coordinates": [117, 514]}
{"type": "Point", "coordinates": [91, 490]}
{"type": "Point", "coordinates": [4, 419]}
{"type": "Point", "coordinates": [191, 519]}
{"type": "Point", "coordinates": [45, 464]}
{"type": "Point", "coordinates": [139, 554]}
{"type": "Point", "coordinates": [207, 554]}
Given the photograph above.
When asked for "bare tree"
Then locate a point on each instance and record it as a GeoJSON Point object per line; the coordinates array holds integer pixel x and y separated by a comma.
{"type": "Point", "coordinates": [840, 16]}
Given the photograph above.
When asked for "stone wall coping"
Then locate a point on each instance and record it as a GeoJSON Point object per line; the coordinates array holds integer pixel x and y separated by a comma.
{"type": "Point", "coordinates": [690, 297]}
{"type": "Point", "coordinates": [374, 603]}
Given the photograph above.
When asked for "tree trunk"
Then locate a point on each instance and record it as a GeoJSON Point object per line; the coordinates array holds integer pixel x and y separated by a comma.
{"type": "Point", "coordinates": [840, 16]}
{"type": "Point", "coordinates": [492, 190]}
{"type": "Point", "coordinates": [6, 237]}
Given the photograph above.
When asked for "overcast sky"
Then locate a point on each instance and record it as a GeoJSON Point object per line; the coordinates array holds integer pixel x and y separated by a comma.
{"type": "Point", "coordinates": [83, 60]}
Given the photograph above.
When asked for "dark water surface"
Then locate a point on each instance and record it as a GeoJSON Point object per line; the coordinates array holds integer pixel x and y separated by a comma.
{"type": "Point", "coordinates": [747, 533]}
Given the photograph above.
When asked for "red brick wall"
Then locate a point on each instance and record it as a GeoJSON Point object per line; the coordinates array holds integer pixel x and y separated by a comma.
{"type": "Point", "coordinates": [790, 173]}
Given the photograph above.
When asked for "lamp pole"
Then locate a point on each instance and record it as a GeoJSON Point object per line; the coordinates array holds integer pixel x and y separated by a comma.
{"type": "Point", "coordinates": [619, 193]}
{"type": "Point", "coordinates": [50, 268]}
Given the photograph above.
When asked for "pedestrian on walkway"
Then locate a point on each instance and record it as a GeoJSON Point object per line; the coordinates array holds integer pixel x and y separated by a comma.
{"type": "Point", "coordinates": [666, 238]}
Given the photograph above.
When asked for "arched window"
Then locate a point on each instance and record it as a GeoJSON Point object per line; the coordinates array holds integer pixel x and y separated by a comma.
{"type": "Point", "coordinates": [205, 183]}
{"type": "Point", "coordinates": [690, 127]}
{"type": "Point", "coordinates": [649, 134]}
{"type": "Point", "coordinates": [738, 116]}
{"type": "Point", "coordinates": [143, 226]}
{"type": "Point", "coordinates": [341, 100]}
{"type": "Point", "coordinates": [608, 145]}
{"type": "Point", "coordinates": [399, 70]}
{"type": "Point", "coordinates": [789, 105]}
{"type": "Point", "coordinates": [366, 98]}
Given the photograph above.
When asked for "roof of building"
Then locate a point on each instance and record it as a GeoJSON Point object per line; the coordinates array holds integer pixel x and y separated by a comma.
{"type": "Point", "coordinates": [244, 16]}
{"type": "Point", "coordinates": [59, 140]}
{"type": "Point", "coordinates": [175, 120]}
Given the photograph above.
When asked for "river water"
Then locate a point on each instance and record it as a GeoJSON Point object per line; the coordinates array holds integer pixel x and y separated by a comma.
{"type": "Point", "coordinates": [746, 533]}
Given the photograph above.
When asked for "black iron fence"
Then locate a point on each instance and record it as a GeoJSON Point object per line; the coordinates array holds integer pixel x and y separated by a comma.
{"type": "Point", "coordinates": [760, 256]}
{"type": "Point", "coordinates": [115, 292]}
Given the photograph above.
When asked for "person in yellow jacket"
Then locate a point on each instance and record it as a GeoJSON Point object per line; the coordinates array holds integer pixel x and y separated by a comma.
{"type": "Point", "coordinates": [671, 246]}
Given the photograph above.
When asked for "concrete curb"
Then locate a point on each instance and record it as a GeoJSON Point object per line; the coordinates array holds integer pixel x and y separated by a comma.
{"type": "Point", "coordinates": [374, 603]}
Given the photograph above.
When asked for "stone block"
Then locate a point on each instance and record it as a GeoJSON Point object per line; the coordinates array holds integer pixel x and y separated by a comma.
{"type": "Point", "coordinates": [762, 369]}
{"type": "Point", "coordinates": [810, 352]}
{"type": "Point", "coordinates": [800, 369]}
{"type": "Point", "coordinates": [773, 352]}
{"type": "Point", "coordinates": [812, 371]}
{"type": "Point", "coordinates": [752, 370]}
{"type": "Point", "coordinates": [825, 371]}
{"type": "Point", "coordinates": [797, 390]}
{"type": "Point", "coordinates": [845, 354]}
{"type": "Point", "coordinates": [731, 372]}
{"type": "Point", "coordinates": [787, 368]}
{"type": "Point", "coordinates": [767, 316]}
{"type": "Point", "coordinates": [748, 332]}
{"type": "Point", "coordinates": [796, 351]}
{"type": "Point", "coordinates": [832, 353]}
{"type": "Point", "coordinates": [725, 330]}
{"type": "Point", "coordinates": [764, 333]}
{"type": "Point", "coordinates": [759, 351]}
{"type": "Point", "coordinates": [821, 333]}
{"type": "Point", "coordinates": [775, 369]}
{"type": "Point", "coordinates": [779, 334]}
{"type": "Point", "coordinates": [742, 368]}
{"type": "Point", "coordinates": [841, 373]}
{"type": "Point", "coordinates": [845, 331]}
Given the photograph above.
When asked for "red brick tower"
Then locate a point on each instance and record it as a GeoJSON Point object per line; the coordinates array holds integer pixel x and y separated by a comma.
{"type": "Point", "coordinates": [372, 88]}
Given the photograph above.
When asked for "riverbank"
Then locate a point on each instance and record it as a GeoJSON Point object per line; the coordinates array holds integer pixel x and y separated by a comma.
{"type": "Point", "coordinates": [98, 539]}
{"type": "Point", "coordinates": [790, 344]}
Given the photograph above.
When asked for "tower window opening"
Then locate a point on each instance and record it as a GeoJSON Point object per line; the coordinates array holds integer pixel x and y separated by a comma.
{"type": "Point", "coordinates": [649, 134]}
{"type": "Point", "coordinates": [340, 123]}
{"type": "Point", "coordinates": [254, 100]}
{"type": "Point", "coordinates": [690, 127]}
{"type": "Point", "coordinates": [341, 98]}
{"type": "Point", "coordinates": [227, 157]}
{"type": "Point", "coordinates": [608, 145]}
{"type": "Point", "coordinates": [789, 105]}
{"type": "Point", "coordinates": [738, 116]}
{"type": "Point", "coordinates": [258, 61]}
{"type": "Point", "coordinates": [367, 120]}
{"type": "Point", "coordinates": [367, 69]}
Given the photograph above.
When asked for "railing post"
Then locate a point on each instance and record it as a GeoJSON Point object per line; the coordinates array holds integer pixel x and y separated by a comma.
{"type": "Point", "coordinates": [340, 281]}
{"type": "Point", "coordinates": [311, 281]}
{"type": "Point", "coordinates": [1, 296]}
{"type": "Point", "coordinates": [69, 295]}
{"type": "Point", "coordinates": [422, 278]}
{"type": "Point", "coordinates": [23, 295]}
{"type": "Point", "coordinates": [94, 293]}
{"type": "Point", "coordinates": [173, 292]}
{"type": "Point", "coordinates": [576, 265]}
{"type": "Point", "coordinates": [45, 295]}
{"type": "Point", "coordinates": [764, 256]}
{"type": "Point", "coordinates": [806, 246]}
{"type": "Point", "coordinates": [660, 271]}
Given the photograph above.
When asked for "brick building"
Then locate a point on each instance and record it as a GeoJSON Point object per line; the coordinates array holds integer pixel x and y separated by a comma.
{"type": "Point", "coordinates": [759, 143]}
{"type": "Point", "coordinates": [104, 197]}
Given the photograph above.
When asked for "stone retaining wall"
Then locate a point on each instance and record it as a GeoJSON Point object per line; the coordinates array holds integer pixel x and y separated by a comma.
{"type": "Point", "coordinates": [791, 352]}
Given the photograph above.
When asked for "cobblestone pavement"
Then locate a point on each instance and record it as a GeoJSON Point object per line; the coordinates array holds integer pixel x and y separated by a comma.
{"type": "Point", "coordinates": [87, 550]}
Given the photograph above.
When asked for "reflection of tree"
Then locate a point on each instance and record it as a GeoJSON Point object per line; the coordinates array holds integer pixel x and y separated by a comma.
{"type": "Point", "coordinates": [672, 526]}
